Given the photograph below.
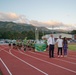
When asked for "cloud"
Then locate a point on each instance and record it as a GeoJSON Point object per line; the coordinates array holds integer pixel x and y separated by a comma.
{"type": "Point", "coordinates": [54, 25]}
{"type": "Point", "coordinates": [22, 19]}
{"type": "Point", "coordinates": [13, 17]}
{"type": "Point", "coordinates": [47, 23]}
{"type": "Point", "coordinates": [37, 23]}
{"type": "Point", "coordinates": [8, 16]}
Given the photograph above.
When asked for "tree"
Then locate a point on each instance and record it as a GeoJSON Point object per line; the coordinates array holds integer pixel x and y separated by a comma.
{"type": "Point", "coordinates": [73, 32]}
{"type": "Point", "coordinates": [31, 35]}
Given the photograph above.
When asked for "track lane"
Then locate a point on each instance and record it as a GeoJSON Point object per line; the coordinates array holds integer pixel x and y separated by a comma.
{"type": "Point", "coordinates": [59, 59]}
{"type": "Point", "coordinates": [20, 67]}
{"type": "Point", "coordinates": [3, 69]}
{"type": "Point", "coordinates": [55, 66]}
{"type": "Point", "coordinates": [38, 57]}
{"type": "Point", "coordinates": [68, 58]}
{"type": "Point", "coordinates": [61, 63]}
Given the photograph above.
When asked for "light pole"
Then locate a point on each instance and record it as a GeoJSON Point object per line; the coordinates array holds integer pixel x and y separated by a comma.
{"type": "Point", "coordinates": [36, 34]}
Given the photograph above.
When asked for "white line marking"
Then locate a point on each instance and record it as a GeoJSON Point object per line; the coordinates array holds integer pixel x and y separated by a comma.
{"type": "Point", "coordinates": [55, 58]}
{"type": "Point", "coordinates": [67, 57]}
{"type": "Point", "coordinates": [71, 58]}
{"type": "Point", "coordinates": [73, 55]}
{"type": "Point", "coordinates": [5, 66]}
{"type": "Point", "coordinates": [50, 63]}
{"type": "Point", "coordinates": [54, 52]}
{"type": "Point", "coordinates": [27, 63]}
{"type": "Point", "coordinates": [10, 51]}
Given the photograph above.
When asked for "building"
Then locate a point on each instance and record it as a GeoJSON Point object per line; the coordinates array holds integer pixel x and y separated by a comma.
{"type": "Point", "coordinates": [68, 36]}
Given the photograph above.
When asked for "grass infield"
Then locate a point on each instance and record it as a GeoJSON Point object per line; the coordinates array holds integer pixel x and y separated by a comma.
{"type": "Point", "coordinates": [72, 47]}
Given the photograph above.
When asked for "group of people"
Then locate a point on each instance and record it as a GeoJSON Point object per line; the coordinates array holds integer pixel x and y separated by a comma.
{"type": "Point", "coordinates": [61, 44]}
{"type": "Point", "coordinates": [16, 45]}
{"type": "Point", "coordinates": [20, 45]}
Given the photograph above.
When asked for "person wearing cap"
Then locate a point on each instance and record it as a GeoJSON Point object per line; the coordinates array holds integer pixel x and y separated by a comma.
{"type": "Point", "coordinates": [51, 42]}
{"type": "Point", "coordinates": [59, 43]}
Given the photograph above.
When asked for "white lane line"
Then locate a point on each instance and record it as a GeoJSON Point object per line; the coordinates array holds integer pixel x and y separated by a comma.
{"type": "Point", "coordinates": [27, 63]}
{"type": "Point", "coordinates": [47, 53]}
{"type": "Point", "coordinates": [10, 51]}
{"type": "Point", "coordinates": [30, 65]}
{"type": "Point", "coordinates": [71, 58]}
{"type": "Point", "coordinates": [55, 58]}
{"type": "Point", "coordinates": [6, 67]}
{"type": "Point", "coordinates": [66, 57]}
{"type": "Point", "coordinates": [49, 63]}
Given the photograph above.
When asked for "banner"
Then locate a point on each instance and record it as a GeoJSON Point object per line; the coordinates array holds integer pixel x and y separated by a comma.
{"type": "Point", "coordinates": [40, 47]}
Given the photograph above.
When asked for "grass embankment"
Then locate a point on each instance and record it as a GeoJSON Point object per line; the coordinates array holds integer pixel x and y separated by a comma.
{"type": "Point", "coordinates": [72, 46]}
{"type": "Point", "coordinates": [1, 72]}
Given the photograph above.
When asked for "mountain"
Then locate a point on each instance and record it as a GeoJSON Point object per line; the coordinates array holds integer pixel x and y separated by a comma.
{"type": "Point", "coordinates": [19, 27]}
{"type": "Point", "coordinates": [11, 30]}
{"type": "Point", "coordinates": [11, 26]}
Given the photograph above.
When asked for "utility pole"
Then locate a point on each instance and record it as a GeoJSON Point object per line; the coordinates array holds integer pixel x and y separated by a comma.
{"type": "Point", "coordinates": [36, 34]}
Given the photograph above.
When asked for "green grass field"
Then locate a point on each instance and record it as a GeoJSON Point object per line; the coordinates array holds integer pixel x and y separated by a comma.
{"type": "Point", "coordinates": [72, 47]}
{"type": "Point", "coordinates": [1, 72]}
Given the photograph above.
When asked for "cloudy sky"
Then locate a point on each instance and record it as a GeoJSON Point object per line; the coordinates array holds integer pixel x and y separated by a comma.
{"type": "Point", "coordinates": [49, 13]}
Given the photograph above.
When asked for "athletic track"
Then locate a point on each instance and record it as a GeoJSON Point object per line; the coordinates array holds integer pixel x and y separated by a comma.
{"type": "Point", "coordinates": [16, 62]}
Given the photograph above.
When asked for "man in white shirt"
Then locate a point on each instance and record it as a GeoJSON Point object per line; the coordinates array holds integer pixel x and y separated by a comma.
{"type": "Point", "coordinates": [60, 45]}
{"type": "Point", "coordinates": [51, 42]}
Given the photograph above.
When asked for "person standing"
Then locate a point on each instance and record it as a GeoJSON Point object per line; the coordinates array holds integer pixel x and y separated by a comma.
{"type": "Point", "coordinates": [51, 42]}
{"type": "Point", "coordinates": [60, 46]}
{"type": "Point", "coordinates": [65, 46]}
{"type": "Point", "coordinates": [10, 45]}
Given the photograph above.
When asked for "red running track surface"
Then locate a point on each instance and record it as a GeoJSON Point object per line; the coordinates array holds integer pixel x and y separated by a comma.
{"type": "Point", "coordinates": [35, 63]}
